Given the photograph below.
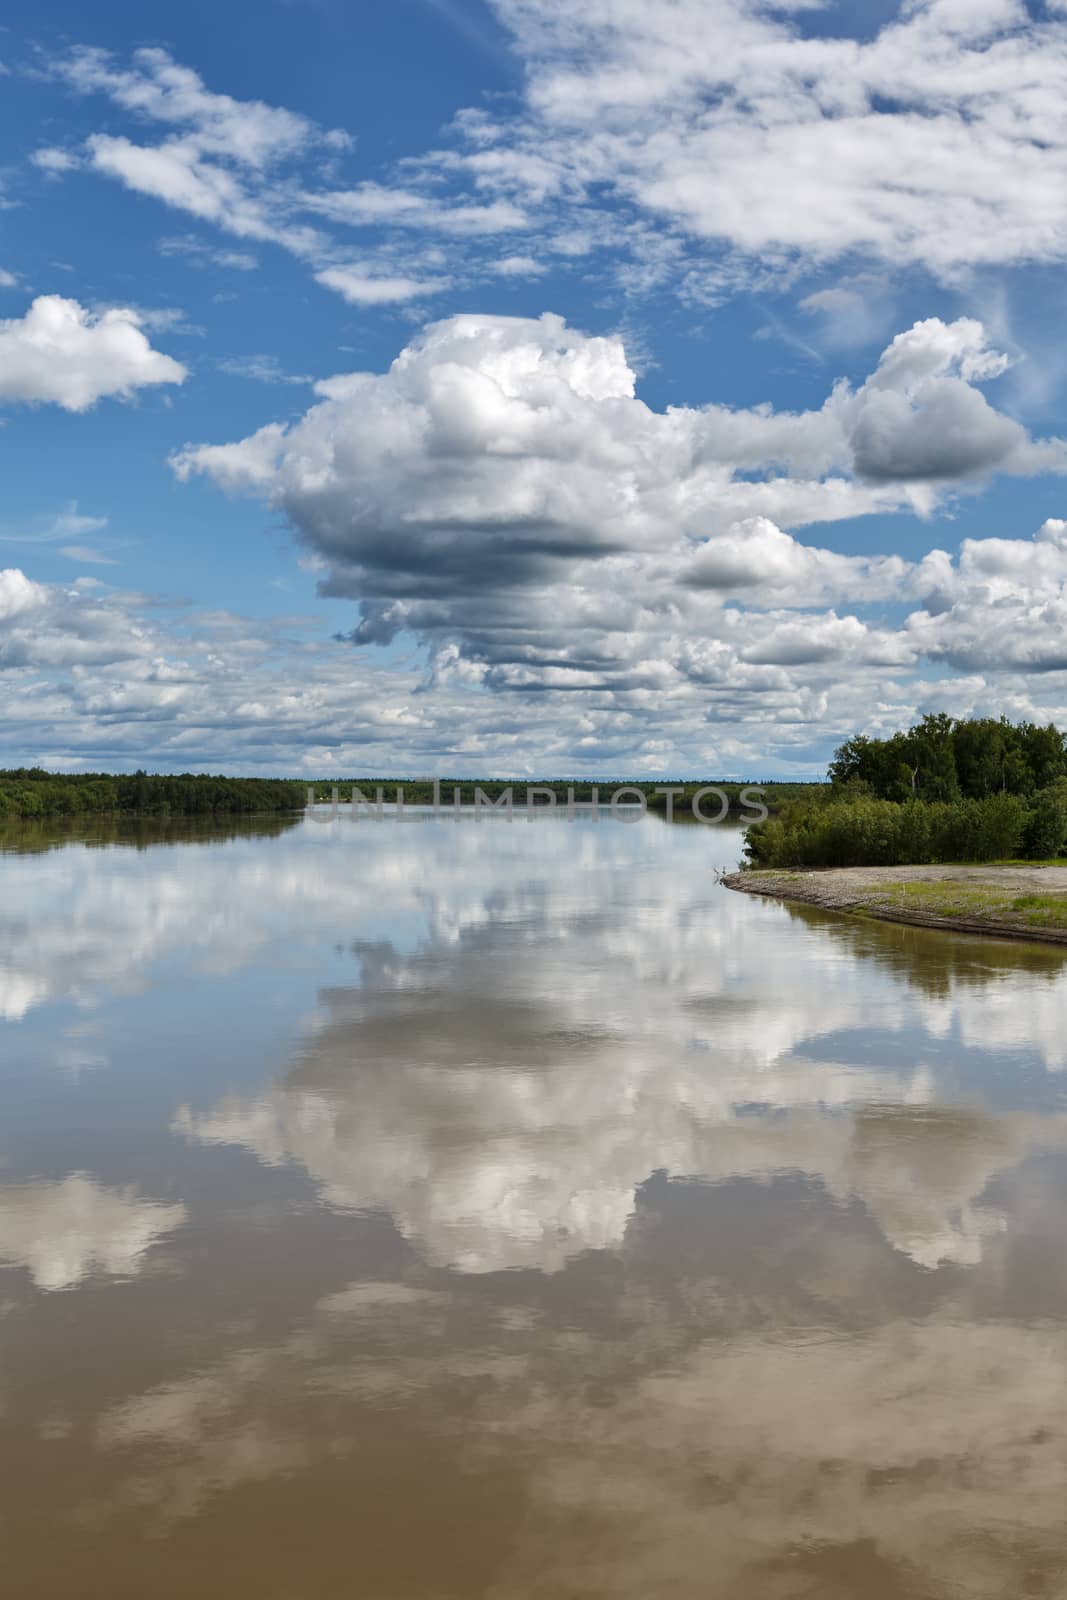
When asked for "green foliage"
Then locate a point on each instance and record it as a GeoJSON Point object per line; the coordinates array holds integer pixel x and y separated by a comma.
{"type": "Point", "coordinates": [942, 759]}
{"type": "Point", "coordinates": [886, 833]}
{"type": "Point", "coordinates": [943, 790]}
{"type": "Point", "coordinates": [420, 792]}
{"type": "Point", "coordinates": [1046, 828]}
{"type": "Point", "coordinates": [30, 792]}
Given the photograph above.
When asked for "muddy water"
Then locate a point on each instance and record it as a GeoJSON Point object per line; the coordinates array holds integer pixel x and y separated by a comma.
{"type": "Point", "coordinates": [448, 1209]}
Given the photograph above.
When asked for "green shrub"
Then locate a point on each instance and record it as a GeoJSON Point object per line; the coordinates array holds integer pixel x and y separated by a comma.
{"type": "Point", "coordinates": [1046, 826]}
{"type": "Point", "coordinates": [886, 833]}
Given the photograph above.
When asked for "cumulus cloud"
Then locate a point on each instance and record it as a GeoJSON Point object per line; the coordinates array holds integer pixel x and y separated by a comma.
{"type": "Point", "coordinates": [502, 486]}
{"type": "Point", "coordinates": [59, 353]}
{"type": "Point", "coordinates": [18, 594]}
{"type": "Point", "coordinates": [93, 674]}
{"type": "Point", "coordinates": [637, 579]}
{"type": "Point", "coordinates": [920, 416]}
{"type": "Point", "coordinates": [758, 660]}
{"type": "Point", "coordinates": [1001, 607]}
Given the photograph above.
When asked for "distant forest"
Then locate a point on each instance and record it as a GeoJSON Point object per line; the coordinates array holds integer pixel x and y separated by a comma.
{"type": "Point", "coordinates": [30, 792]}
{"type": "Point", "coordinates": [462, 791]}
{"type": "Point", "coordinates": [33, 793]}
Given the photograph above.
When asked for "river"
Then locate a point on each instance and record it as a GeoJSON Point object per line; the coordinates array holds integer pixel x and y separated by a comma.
{"type": "Point", "coordinates": [441, 1209]}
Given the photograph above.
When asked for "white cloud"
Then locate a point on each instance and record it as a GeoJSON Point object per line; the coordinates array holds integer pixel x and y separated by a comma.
{"type": "Point", "coordinates": [177, 173]}
{"type": "Point", "coordinates": [224, 161]}
{"type": "Point", "coordinates": [373, 203]}
{"type": "Point", "coordinates": [651, 130]}
{"type": "Point", "coordinates": [920, 416]}
{"type": "Point", "coordinates": [61, 354]}
{"type": "Point", "coordinates": [1002, 607]}
{"type": "Point", "coordinates": [72, 521]}
{"type": "Point", "coordinates": [502, 486]}
{"type": "Point", "coordinates": [936, 141]}
{"type": "Point", "coordinates": [362, 288]}
{"type": "Point", "coordinates": [261, 369]}
{"type": "Point", "coordinates": [55, 161]}
{"type": "Point", "coordinates": [18, 594]}
{"type": "Point", "coordinates": [216, 162]}
{"type": "Point", "coordinates": [86, 554]}
{"type": "Point", "coordinates": [503, 495]}
{"type": "Point", "coordinates": [517, 267]}
{"type": "Point", "coordinates": [200, 254]}
{"type": "Point", "coordinates": [8, 280]}
{"type": "Point", "coordinates": [671, 677]}
{"type": "Point", "coordinates": [156, 88]}
{"type": "Point", "coordinates": [852, 312]}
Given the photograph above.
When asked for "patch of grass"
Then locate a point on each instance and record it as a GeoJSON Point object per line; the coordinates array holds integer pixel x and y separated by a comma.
{"type": "Point", "coordinates": [1042, 909]}
{"type": "Point", "coordinates": [1022, 861]}
{"type": "Point", "coordinates": [949, 898]}
{"type": "Point", "coordinates": [974, 901]}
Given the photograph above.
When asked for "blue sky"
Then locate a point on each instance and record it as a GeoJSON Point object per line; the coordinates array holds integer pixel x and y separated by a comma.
{"type": "Point", "coordinates": [661, 387]}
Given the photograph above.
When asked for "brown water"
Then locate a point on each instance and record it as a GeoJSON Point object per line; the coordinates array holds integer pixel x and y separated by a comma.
{"type": "Point", "coordinates": [448, 1209]}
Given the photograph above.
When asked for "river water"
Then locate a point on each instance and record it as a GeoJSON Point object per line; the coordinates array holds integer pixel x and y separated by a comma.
{"type": "Point", "coordinates": [486, 1211]}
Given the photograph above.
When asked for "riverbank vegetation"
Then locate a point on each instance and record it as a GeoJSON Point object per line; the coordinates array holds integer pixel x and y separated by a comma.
{"type": "Point", "coordinates": [942, 791]}
{"type": "Point", "coordinates": [32, 793]}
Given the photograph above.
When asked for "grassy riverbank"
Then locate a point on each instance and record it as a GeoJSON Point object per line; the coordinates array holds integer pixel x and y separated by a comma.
{"type": "Point", "coordinates": [1017, 900]}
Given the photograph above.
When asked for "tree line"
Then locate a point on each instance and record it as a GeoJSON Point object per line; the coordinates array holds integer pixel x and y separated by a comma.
{"type": "Point", "coordinates": [34, 793]}
{"type": "Point", "coordinates": [31, 792]}
{"type": "Point", "coordinates": [945, 789]}
{"type": "Point", "coordinates": [943, 758]}
{"type": "Point", "coordinates": [461, 791]}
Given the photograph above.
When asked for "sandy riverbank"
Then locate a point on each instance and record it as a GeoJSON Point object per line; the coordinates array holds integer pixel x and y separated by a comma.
{"type": "Point", "coordinates": [1015, 902]}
